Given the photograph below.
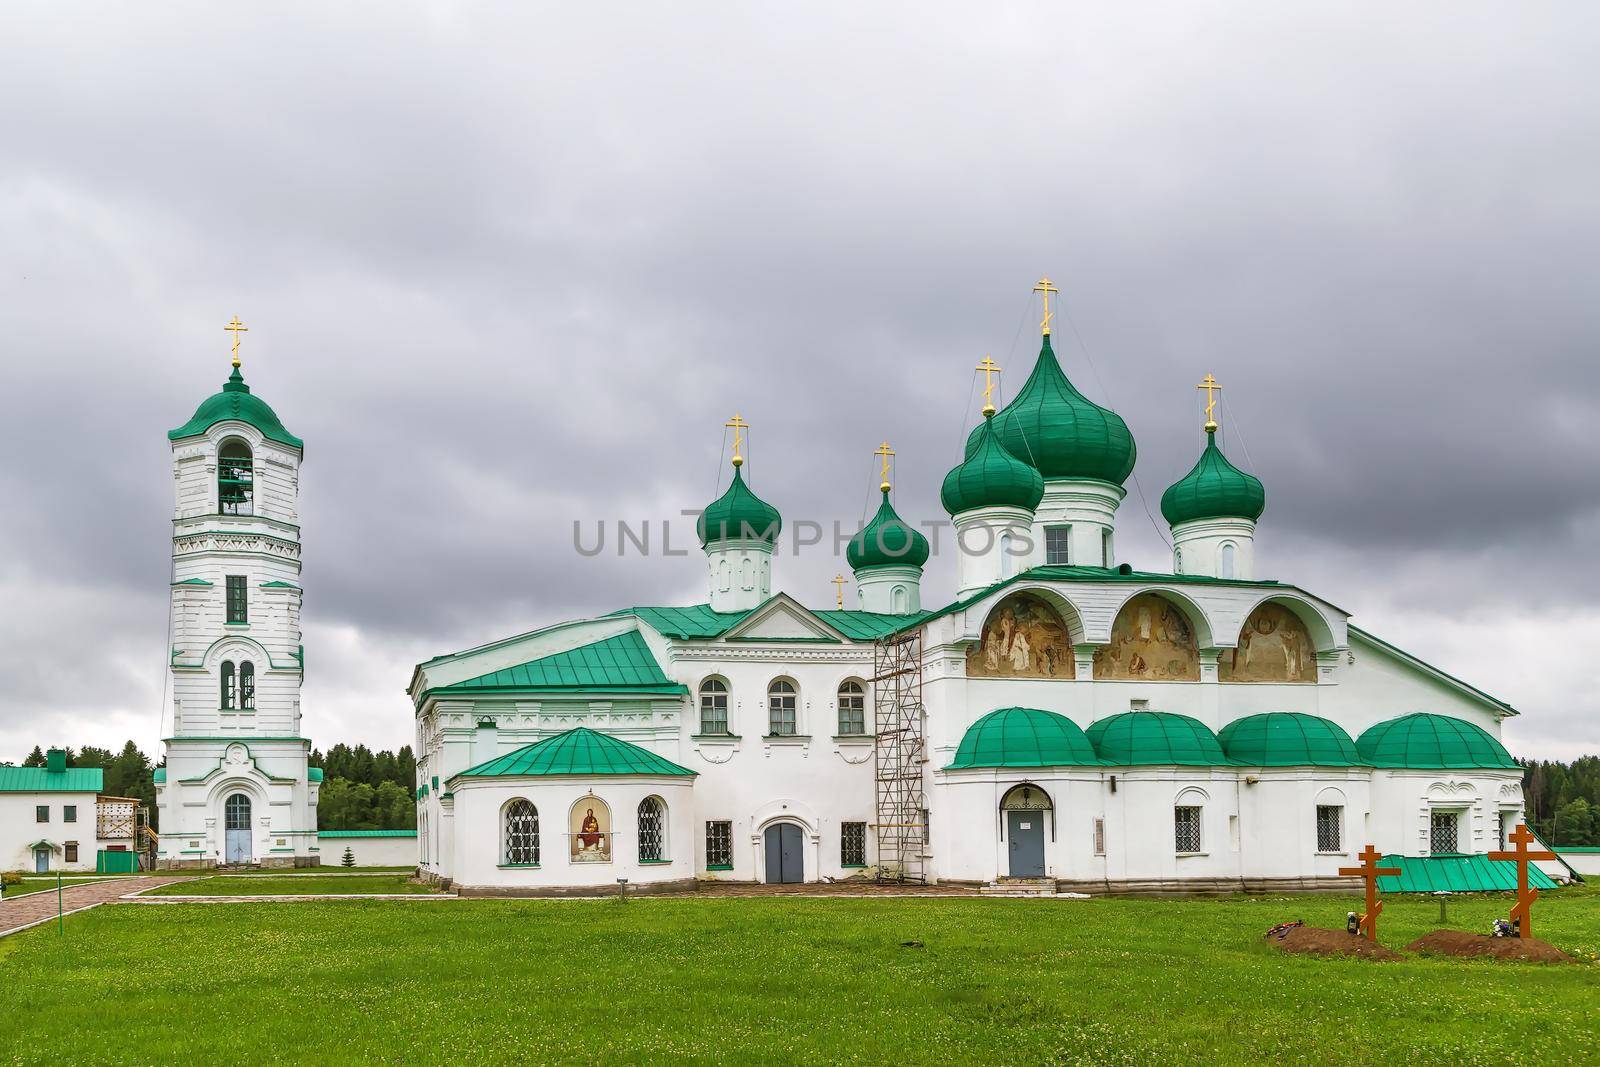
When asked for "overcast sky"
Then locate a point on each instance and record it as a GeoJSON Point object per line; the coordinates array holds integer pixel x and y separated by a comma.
{"type": "Point", "coordinates": [508, 270]}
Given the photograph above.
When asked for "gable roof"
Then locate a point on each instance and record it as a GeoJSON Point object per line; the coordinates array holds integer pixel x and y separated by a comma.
{"type": "Point", "coordinates": [698, 622]}
{"type": "Point", "coordinates": [579, 751]}
{"type": "Point", "coordinates": [622, 663]}
{"type": "Point", "coordinates": [41, 780]}
{"type": "Point", "coordinates": [1429, 669]}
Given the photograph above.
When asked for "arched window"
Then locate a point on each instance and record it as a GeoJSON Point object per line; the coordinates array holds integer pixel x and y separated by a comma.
{"type": "Point", "coordinates": [852, 708]}
{"type": "Point", "coordinates": [713, 706]}
{"type": "Point", "coordinates": [898, 602]}
{"type": "Point", "coordinates": [781, 704]}
{"type": "Point", "coordinates": [236, 812]}
{"type": "Point", "coordinates": [724, 573]}
{"type": "Point", "coordinates": [247, 685]}
{"type": "Point", "coordinates": [229, 692]}
{"type": "Point", "coordinates": [522, 834]}
{"type": "Point", "coordinates": [1225, 570]}
{"type": "Point", "coordinates": [747, 573]}
{"type": "Point", "coordinates": [235, 479]}
{"type": "Point", "coordinates": [1007, 564]}
{"type": "Point", "coordinates": [1187, 812]}
{"type": "Point", "coordinates": [652, 830]}
{"type": "Point", "coordinates": [1177, 561]}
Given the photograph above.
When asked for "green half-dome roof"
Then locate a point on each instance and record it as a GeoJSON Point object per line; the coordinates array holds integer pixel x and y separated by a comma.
{"type": "Point", "coordinates": [1061, 432]}
{"type": "Point", "coordinates": [739, 513]}
{"type": "Point", "coordinates": [1432, 742]}
{"type": "Point", "coordinates": [236, 403]}
{"type": "Point", "coordinates": [1155, 738]}
{"type": "Point", "coordinates": [990, 476]}
{"type": "Point", "coordinates": [1023, 737]}
{"type": "Point", "coordinates": [1288, 739]}
{"type": "Point", "coordinates": [579, 751]}
{"type": "Point", "coordinates": [1214, 489]}
{"type": "Point", "coordinates": [886, 541]}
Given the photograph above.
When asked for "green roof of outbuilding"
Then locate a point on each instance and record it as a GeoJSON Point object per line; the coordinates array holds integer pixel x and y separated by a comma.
{"type": "Point", "coordinates": [886, 541]}
{"type": "Point", "coordinates": [738, 513]}
{"type": "Point", "coordinates": [1456, 874]}
{"type": "Point", "coordinates": [1432, 742]}
{"type": "Point", "coordinates": [1288, 739]}
{"type": "Point", "coordinates": [1023, 737]}
{"type": "Point", "coordinates": [40, 780]}
{"type": "Point", "coordinates": [1214, 489]}
{"type": "Point", "coordinates": [313, 774]}
{"type": "Point", "coordinates": [236, 402]}
{"type": "Point", "coordinates": [1155, 738]}
{"type": "Point", "coordinates": [580, 751]}
{"type": "Point", "coordinates": [623, 662]}
{"type": "Point", "coordinates": [366, 833]}
{"type": "Point", "coordinates": [158, 775]}
{"type": "Point", "coordinates": [990, 476]}
{"type": "Point", "coordinates": [1061, 432]}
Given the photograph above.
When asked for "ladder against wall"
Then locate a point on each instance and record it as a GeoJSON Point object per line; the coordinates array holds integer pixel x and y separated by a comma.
{"type": "Point", "coordinates": [899, 754]}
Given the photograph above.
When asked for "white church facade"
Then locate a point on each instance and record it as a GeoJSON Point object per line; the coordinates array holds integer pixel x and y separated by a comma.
{"type": "Point", "coordinates": [1064, 720]}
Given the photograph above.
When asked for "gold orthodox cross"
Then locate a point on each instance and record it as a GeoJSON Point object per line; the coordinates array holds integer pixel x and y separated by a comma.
{"type": "Point", "coordinates": [1046, 288]}
{"type": "Point", "coordinates": [838, 581]}
{"type": "Point", "coordinates": [236, 328]}
{"type": "Point", "coordinates": [738, 426]}
{"type": "Point", "coordinates": [883, 453]}
{"type": "Point", "coordinates": [1211, 388]}
{"type": "Point", "coordinates": [1522, 910]}
{"type": "Point", "coordinates": [990, 368]}
{"type": "Point", "coordinates": [1369, 870]}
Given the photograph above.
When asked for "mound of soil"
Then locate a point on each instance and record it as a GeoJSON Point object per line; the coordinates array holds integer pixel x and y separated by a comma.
{"type": "Point", "coordinates": [1461, 943]}
{"type": "Point", "coordinates": [1315, 941]}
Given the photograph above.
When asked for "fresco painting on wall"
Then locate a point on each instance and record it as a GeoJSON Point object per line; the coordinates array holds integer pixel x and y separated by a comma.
{"type": "Point", "coordinates": [1150, 641]}
{"type": "Point", "coordinates": [590, 830]}
{"type": "Point", "coordinates": [1022, 638]}
{"type": "Point", "coordinates": [1274, 646]}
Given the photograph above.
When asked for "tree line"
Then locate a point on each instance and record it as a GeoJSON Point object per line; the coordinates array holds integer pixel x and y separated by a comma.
{"type": "Point", "coordinates": [1562, 800]}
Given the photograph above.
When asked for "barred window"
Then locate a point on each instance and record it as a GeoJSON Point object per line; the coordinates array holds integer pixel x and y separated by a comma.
{"type": "Point", "coordinates": [229, 694]}
{"type": "Point", "coordinates": [238, 603]}
{"type": "Point", "coordinates": [1500, 828]}
{"type": "Point", "coordinates": [522, 834]}
{"type": "Point", "coordinates": [713, 706]}
{"type": "Point", "coordinates": [1099, 837]}
{"type": "Point", "coordinates": [247, 685]}
{"type": "Point", "coordinates": [652, 830]}
{"type": "Point", "coordinates": [1186, 826]}
{"type": "Point", "coordinates": [1058, 545]}
{"type": "Point", "coordinates": [1443, 829]}
{"type": "Point", "coordinates": [781, 703]}
{"type": "Point", "coordinates": [852, 708]}
{"type": "Point", "coordinates": [853, 844]}
{"type": "Point", "coordinates": [1330, 828]}
{"type": "Point", "coordinates": [719, 845]}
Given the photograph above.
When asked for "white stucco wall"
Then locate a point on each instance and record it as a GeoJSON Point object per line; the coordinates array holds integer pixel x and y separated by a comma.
{"type": "Point", "coordinates": [368, 851]}
{"type": "Point", "coordinates": [20, 828]}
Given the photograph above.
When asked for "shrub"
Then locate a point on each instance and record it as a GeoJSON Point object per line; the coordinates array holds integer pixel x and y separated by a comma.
{"type": "Point", "coordinates": [349, 858]}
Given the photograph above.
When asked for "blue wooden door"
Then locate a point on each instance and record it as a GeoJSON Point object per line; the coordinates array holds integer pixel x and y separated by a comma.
{"type": "Point", "coordinates": [1025, 829]}
{"type": "Point", "coordinates": [41, 861]}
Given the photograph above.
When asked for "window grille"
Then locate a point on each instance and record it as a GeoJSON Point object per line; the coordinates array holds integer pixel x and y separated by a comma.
{"type": "Point", "coordinates": [852, 709]}
{"type": "Point", "coordinates": [853, 844]}
{"type": "Point", "coordinates": [69, 813]}
{"type": "Point", "coordinates": [1442, 832]}
{"type": "Point", "coordinates": [1058, 545]}
{"type": "Point", "coordinates": [652, 830]}
{"type": "Point", "coordinates": [719, 844]}
{"type": "Point", "coordinates": [235, 480]}
{"type": "Point", "coordinates": [781, 709]}
{"type": "Point", "coordinates": [1186, 826]}
{"type": "Point", "coordinates": [522, 834]}
{"type": "Point", "coordinates": [1099, 837]}
{"type": "Point", "coordinates": [1500, 828]}
{"type": "Point", "coordinates": [236, 812]}
{"type": "Point", "coordinates": [228, 691]}
{"type": "Point", "coordinates": [247, 685]}
{"type": "Point", "coordinates": [238, 604]}
{"type": "Point", "coordinates": [713, 706]}
{"type": "Point", "coordinates": [1330, 828]}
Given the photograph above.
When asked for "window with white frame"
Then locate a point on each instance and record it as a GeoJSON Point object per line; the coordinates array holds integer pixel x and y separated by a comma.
{"type": "Point", "coordinates": [1099, 837]}
{"type": "Point", "coordinates": [719, 845]}
{"type": "Point", "coordinates": [1058, 545]}
{"type": "Point", "coordinates": [1330, 828]}
{"type": "Point", "coordinates": [522, 834]}
{"type": "Point", "coordinates": [1186, 827]}
{"type": "Point", "coordinates": [853, 844]}
{"type": "Point", "coordinates": [782, 700]}
{"type": "Point", "coordinates": [713, 706]}
{"type": "Point", "coordinates": [652, 830]}
{"type": "Point", "coordinates": [852, 708]}
{"type": "Point", "coordinates": [1444, 832]}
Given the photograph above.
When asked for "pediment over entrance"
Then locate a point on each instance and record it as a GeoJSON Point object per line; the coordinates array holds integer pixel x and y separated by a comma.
{"type": "Point", "coordinates": [782, 619]}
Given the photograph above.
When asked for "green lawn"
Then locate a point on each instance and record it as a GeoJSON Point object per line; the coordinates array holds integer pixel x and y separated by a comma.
{"type": "Point", "coordinates": [784, 980]}
{"type": "Point", "coordinates": [266, 885]}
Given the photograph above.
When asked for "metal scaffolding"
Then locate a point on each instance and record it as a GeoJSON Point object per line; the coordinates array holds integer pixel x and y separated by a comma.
{"type": "Point", "coordinates": [898, 758]}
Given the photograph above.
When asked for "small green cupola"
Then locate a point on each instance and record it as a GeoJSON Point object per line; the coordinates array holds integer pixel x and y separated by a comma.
{"type": "Point", "coordinates": [1213, 489]}
{"type": "Point", "coordinates": [990, 476]}
{"type": "Point", "coordinates": [236, 403]}
{"type": "Point", "coordinates": [739, 530]}
{"type": "Point", "coordinates": [886, 541]}
{"type": "Point", "coordinates": [738, 514]}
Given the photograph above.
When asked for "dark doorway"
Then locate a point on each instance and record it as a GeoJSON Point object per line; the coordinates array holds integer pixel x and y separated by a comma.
{"type": "Point", "coordinates": [784, 859]}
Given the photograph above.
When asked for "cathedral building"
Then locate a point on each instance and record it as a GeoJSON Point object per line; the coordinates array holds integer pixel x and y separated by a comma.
{"type": "Point", "coordinates": [1064, 721]}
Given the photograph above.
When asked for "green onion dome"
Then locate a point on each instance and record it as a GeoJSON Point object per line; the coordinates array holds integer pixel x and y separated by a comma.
{"type": "Point", "coordinates": [886, 541]}
{"type": "Point", "coordinates": [1155, 738]}
{"type": "Point", "coordinates": [739, 513]}
{"type": "Point", "coordinates": [1214, 489]}
{"type": "Point", "coordinates": [238, 404]}
{"type": "Point", "coordinates": [1061, 432]}
{"type": "Point", "coordinates": [1432, 742]}
{"type": "Point", "coordinates": [1023, 737]}
{"type": "Point", "coordinates": [1288, 739]}
{"type": "Point", "coordinates": [991, 476]}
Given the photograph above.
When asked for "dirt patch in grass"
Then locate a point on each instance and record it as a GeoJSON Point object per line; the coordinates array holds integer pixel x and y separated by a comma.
{"type": "Point", "coordinates": [1462, 943]}
{"type": "Point", "coordinates": [1317, 941]}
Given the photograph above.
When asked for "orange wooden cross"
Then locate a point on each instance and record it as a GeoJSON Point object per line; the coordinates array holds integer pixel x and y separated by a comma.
{"type": "Point", "coordinates": [1522, 911]}
{"type": "Point", "coordinates": [1370, 871]}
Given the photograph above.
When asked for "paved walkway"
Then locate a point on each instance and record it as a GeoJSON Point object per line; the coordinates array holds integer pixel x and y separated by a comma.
{"type": "Point", "coordinates": [22, 912]}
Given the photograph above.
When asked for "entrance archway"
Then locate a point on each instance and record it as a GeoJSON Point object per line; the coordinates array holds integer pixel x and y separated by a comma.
{"type": "Point", "coordinates": [1025, 809]}
{"type": "Point", "coordinates": [784, 844]}
{"type": "Point", "coordinates": [236, 819]}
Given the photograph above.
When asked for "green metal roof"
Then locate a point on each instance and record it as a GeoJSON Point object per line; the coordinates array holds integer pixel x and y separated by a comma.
{"type": "Point", "coordinates": [1288, 739]}
{"type": "Point", "coordinates": [990, 476]}
{"type": "Point", "coordinates": [159, 775]}
{"type": "Point", "coordinates": [1456, 874]}
{"type": "Point", "coordinates": [1214, 489]}
{"type": "Point", "coordinates": [1060, 432]}
{"type": "Point", "coordinates": [580, 751]}
{"type": "Point", "coordinates": [1023, 737]}
{"type": "Point", "coordinates": [366, 833]}
{"type": "Point", "coordinates": [622, 662]}
{"type": "Point", "coordinates": [313, 774]}
{"type": "Point", "coordinates": [236, 402]}
{"type": "Point", "coordinates": [1579, 849]}
{"type": "Point", "coordinates": [886, 541]}
{"type": "Point", "coordinates": [40, 780]}
{"type": "Point", "coordinates": [738, 513]}
{"type": "Point", "coordinates": [1155, 738]}
{"type": "Point", "coordinates": [699, 622]}
{"type": "Point", "coordinates": [1432, 742]}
